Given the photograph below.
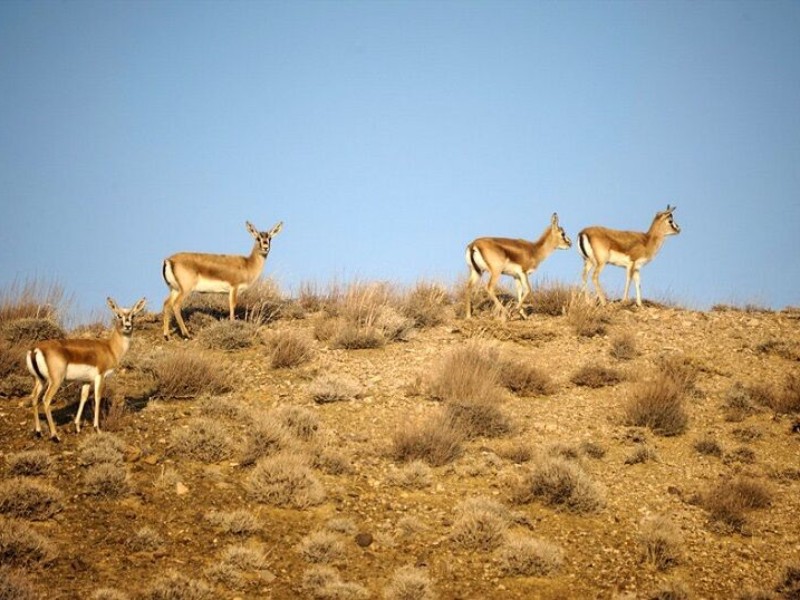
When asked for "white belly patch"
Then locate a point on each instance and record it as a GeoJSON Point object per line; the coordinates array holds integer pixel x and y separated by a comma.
{"type": "Point", "coordinates": [619, 259]}
{"type": "Point", "coordinates": [211, 286]}
{"type": "Point", "coordinates": [81, 372]}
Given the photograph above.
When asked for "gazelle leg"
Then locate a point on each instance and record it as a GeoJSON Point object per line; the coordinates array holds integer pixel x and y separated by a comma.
{"type": "Point", "coordinates": [98, 395]}
{"type": "Point", "coordinates": [84, 395]}
{"type": "Point", "coordinates": [180, 296]}
{"type": "Point", "coordinates": [490, 290]}
{"type": "Point", "coordinates": [638, 288]}
{"type": "Point", "coordinates": [52, 388]}
{"type": "Point", "coordinates": [474, 277]}
{"type": "Point", "coordinates": [628, 273]}
{"type": "Point", "coordinates": [35, 395]}
{"type": "Point", "coordinates": [232, 301]}
{"type": "Point", "coordinates": [524, 290]}
{"type": "Point", "coordinates": [596, 280]}
{"type": "Point", "coordinates": [587, 266]}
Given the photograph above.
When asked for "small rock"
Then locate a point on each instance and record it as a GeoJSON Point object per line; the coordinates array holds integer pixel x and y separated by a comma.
{"type": "Point", "coordinates": [364, 539]}
{"type": "Point", "coordinates": [181, 489]}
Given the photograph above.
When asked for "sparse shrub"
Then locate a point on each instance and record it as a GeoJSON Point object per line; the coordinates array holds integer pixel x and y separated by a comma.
{"type": "Point", "coordinates": [596, 376]}
{"type": "Point", "coordinates": [660, 542]}
{"type": "Point", "coordinates": [680, 369]}
{"type": "Point", "coordinates": [525, 379]}
{"type": "Point", "coordinates": [742, 454]}
{"type": "Point", "coordinates": [324, 583]}
{"type": "Point", "coordinates": [300, 422]}
{"type": "Point", "coordinates": [267, 436]}
{"type": "Point", "coordinates": [747, 434]}
{"type": "Point", "coordinates": [232, 566]}
{"type": "Point", "coordinates": [285, 480]}
{"type": "Point", "coordinates": [236, 522]}
{"type": "Point", "coordinates": [436, 440]}
{"type": "Point", "coordinates": [393, 325]}
{"type": "Point", "coordinates": [354, 337]}
{"type": "Point", "coordinates": [481, 524]}
{"type": "Point", "coordinates": [31, 463]}
{"type": "Point", "coordinates": [551, 298]}
{"type": "Point", "coordinates": [331, 460]}
{"type": "Point", "coordinates": [262, 302]}
{"type": "Point", "coordinates": [518, 451]}
{"type": "Point", "coordinates": [145, 539]}
{"type": "Point", "coordinates": [469, 371]}
{"type": "Point", "coordinates": [174, 586]}
{"type": "Point", "coordinates": [22, 546]}
{"type": "Point", "coordinates": [426, 304]}
{"type": "Point", "coordinates": [29, 499]}
{"type": "Point", "coordinates": [414, 475]}
{"type": "Point", "coordinates": [562, 450]}
{"type": "Point", "coordinates": [334, 388]}
{"type": "Point", "coordinates": [729, 501]}
{"type": "Point", "coordinates": [326, 328]}
{"type": "Point", "coordinates": [623, 347]}
{"type": "Point", "coordinates": [289, 349]}
{"type": "Point", "coordinates": [559, 483]}
{"type": "Point", "coordinates": [105, 479]}
{"type": "Point", "coordinates": [658, 405]}
{"type": "Point", "coordinates": [587, 319]}
{"type": "Point", "coordinates": [32, 300]}
{"type": "Point", "coordinates": [671, 590]}
{"type": "Point", "coordinates": [789, 585]}
{"type": "Point", "coordinates": [738, 397]}
{"type": "Point", "coordinates": [787, 399]}
{"type": "Point", "coordinates": [480, 416]}
{"type": "Point", "coordinates": [229, 335]}
{"type": "Point", "coordinates": [409, 583]}
{"type": "Point", "coordinates": [344, 525]}
{"type": "Point", "coordinates": [642, 454]}
{"type": "Point", "coordinates": [593, 449]}
{"type": "Point", "coordinates": [30, 330]}
{"type": "Point", "coordinates": [202, 439]}
{"type": "Point", "coordinates": [114, 412]}
{"type": "Point", "coordinates": [14, 585]}
{"type": "Point", "coordinates": [322, 547]}
{"type": "Point", "coordinates": [109, 594]}
{"type": "Point", "coordinates": [708, 446]}
{"type": "Point", "coordinates": [101, 448]}
{"type": "Point", "coordinates": [188, 373]}
{"type": "Point", "coordinates": [529, 557]}
{"type": "Point", "coordinates": [224, 408]}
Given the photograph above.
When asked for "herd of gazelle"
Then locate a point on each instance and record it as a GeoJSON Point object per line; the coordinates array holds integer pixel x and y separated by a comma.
{"type": "Point", "coordinates": [90, 361]}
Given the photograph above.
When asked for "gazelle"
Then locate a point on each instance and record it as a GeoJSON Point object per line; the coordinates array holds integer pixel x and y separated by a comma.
{"type": "Point", "coordinates": [630, 249]}
{"type": "Point", "coordinates": [76, 359]}
{"type": "Point", "coordinates": [518, 258]}
{"type": "Point", "coordinates": [186, 272]}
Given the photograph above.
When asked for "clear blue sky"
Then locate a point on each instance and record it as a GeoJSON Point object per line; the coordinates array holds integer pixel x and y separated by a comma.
{"type": "Point", "coordinates": [387, 135]}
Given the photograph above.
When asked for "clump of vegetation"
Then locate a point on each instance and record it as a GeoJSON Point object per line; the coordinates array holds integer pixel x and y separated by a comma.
{"type": "Point", "coordinates": [32, 300]}
{"type": "Point", "coordinates": [30, 463]}
{"type": "Point", "coordinates": [596, 376]}
{"type": "Point", "coordinates": [587, 319]}
{"type": "Point", "coordinates": [708, 446]}
{"type": "Point", "coordinates": [262, 302]}
{"type": "Point", "coordinates": [437, 440]}
{"type": "Point", "coordinates": [742, 454]}
{"type": "Point", "coordinates": [224, 408]}
{"type": "Point", "coordinates": [525, 379]}
{"type": "Point", "coordinates": [529, 557]}
{"type": "Point", "coordinates": [642, 454]}
{"type": "Point", "coordinates": [658, 405]}
{"type": "Point", "coordinates": [101, 448]}
{"type": "Point", "coordinates": [106, 479]}
{"type": "Point", "coordinates": [188, 373]}
{"type": "Point", "coordinates": [480, 416]}
{"type": "Point", "coordinates": [682, 370]}
{"type": "Point", "coordinates": [27, 331]}
{"type": "Point", "coordinates": [14, 585]}
{"type": "Point", "coordinates": [784, 399]}
{"type": "Point", "coordinates": [729, 501]}
{"type": "Point", "coordinates": [409, 583]}
{"type": "Point", "coordinates": [469, 371]}
{"type": "Point", "coordinates": [552, 299]}
{"type": "Point", "coordinates": [229, 335]}
{"type": "Point", "coordinates": [202, 439]}
{"type": "Point", "coordinates": [518, 451]}
{"type": "Point", "coordinates": [285, 480]}
{"type": "Point", "coordinates": [289, 349]}
{"type": "Point", "coordinates": [324, 583]}
{"type": "Point", "coordinates": [481, 524]}
{"type": "Point", "coordinates": [353, 337]}
{"type": "Point", "coordinates": [145, 539]}
{"type": "Point", "coordinates": [29, 499]}
{"type": "Point", "coordinates": [559, 483]}
{"type": "Point", "coordinates": [623, 347]}
{"type": "Point", "coordinates": [234, 563]}
{"type": "Point", "coordinates": [414, 475]}
{"type": "Point", "coordinates": [22, 546]}
{"type": "Point", "coordinates": [426, 305]}
{"type": "Point", "coordinates": [236, 522]}
{"type": "Point", "coordinates": [266, 437]}
{"type": "Point", "coordinates": [322, 547]}
{"type": "Point", "coordinates": [173, 585]}
{"type": "Point", "coordinates": [670, 590]}
{"type": "Point", "coordinates": [300, 422]}
{"type": "Point", "coordinates": [334, 388]}
{"type": "Point", "coordinates": [660, 542]}
{"type": "Point", "coordinates": [789, 585]}
{"type": "Point", "coordinates": [109, 594]}
{"type": "Point", "coordinates": [593, 449]}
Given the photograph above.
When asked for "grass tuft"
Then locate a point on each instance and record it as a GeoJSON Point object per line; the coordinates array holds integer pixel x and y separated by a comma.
{"type": "Point", "coordinates": [529, 557]}
{"type": "Point", "coordinates": [289, 349]}
{"type": "Point", "coordinates": [561, 484]}
{"type": "Point", "coordinates": [188, 373]}
{"type": "Point", "coordinates": [203, 439]}
{"type": "Point", "coordinates": [30, 463]}
{"type": "Point", "coordinates": [409, 583]}
{"type": "Point", "coordinates": [22, 546]}
{"type": "Point", "coordinates": [285, 480]}
{"type": "Point", "coordinates": [437, 440]}
{"type": "Point", "coordinates": [596, 376]}
{"type": "Point", "coordinates": [481, 524]}
{"type": "Point", "coordinates": [29, 499]}
{"type": "Point", "coordinates": [658, 405]}
{"type": "Point", "coordinates": [660, 542]}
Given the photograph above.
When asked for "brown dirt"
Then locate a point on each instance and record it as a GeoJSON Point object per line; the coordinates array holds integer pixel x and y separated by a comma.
{"type": "Point", "coordinates": [601, 554]}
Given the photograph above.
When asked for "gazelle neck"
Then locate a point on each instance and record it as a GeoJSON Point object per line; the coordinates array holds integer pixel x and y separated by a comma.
{"type": "Point", "coordinates": [257, 257]}
{"type": "Point", "coordinates": [119, 342]}
{"type": "Point", "coordinates": [547, 243]}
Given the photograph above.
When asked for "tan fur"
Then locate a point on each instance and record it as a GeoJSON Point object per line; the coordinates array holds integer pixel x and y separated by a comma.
{"type": "Point", "coordinates": [184, 272]}
{"type": "Point", "coordinates": [514, 257]}
{"type": "Point", "coordinates": [95, 358]}
{"type": "Point", "coordinates": [629, 249]}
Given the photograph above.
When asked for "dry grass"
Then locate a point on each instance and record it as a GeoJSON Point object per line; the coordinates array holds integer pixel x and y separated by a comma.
{"type": "Point", "coordinates": [331, 387]}
{"type": "Point", "coordinates": [559, 483]}
{"type": "Point", "coordinates": [30, 463]}
{"type": "Point", "coordinates": [109, 594]}
{"type": "Point", "coordinates": [789, 585]}
{"type": "Point", "coordinates": [203, 439]}
{"type": "Point", "coordinates": [641, 454]}
{"type": "Point", "coordinates": [15, 585]}
{"type": "Point", "coordinates": [660, 542]}
{"type": "Point", "coordinates": [302, 423]}
{"type": "Point", "coordinates": [145, 539]}
{"type": "Point", "coordinates": [265, 437]}
{"type": "Point", "coordinates": [593, 449]}
{"type": "Point", "coordinates": [32, 300]}
{"type": "Point", "coordinates": [237, 566]}
{"type": "Point", "coordinates": [729, 501]}
{"type": "Point", "coordinates": [107, 480]}
{"type": "Point", "coordinates": [437, 440]}
{"type": "Point", "coordinates": [349, 336]}
{"type": "Point", "coordinates": [708, 446]}
{"type": "Point", "coordinates": [480, 524]}
{"type": "Point", "coordinates": [101, 448]}
{"type": "Point", "coordinates": [782, 399]}
{"type": "Point", "coordinates": [658, 405]}
{"type": "Point", "coordinates": [525, 556]}
{"type": "Point", "coordinates": [517, 451]}
{"type": "Point", "coordinates": [289, 349]}
{"type": "Point", "coordinates": [239, 522]}
{"type": "Point", "coordinates": [551, 298]}
{"type": "Point", "coordinates": [229, 335]}
{"type": "Point", "coordinates": [414, 475]}
{"type": "Point", "coordinates": [623, 347]}
{"type": "Point", "coordinates": [480, 416]}
{"type": "Point", "coordinates": [426, 304]}
{"type": "Point", "coordinates": [175, 586]}
{"type": "Point", "coordinates": [285, 480]}
{"type": "Point", "coordinates": [188, 373]}
{"type": "Point", "coordinates": [587, 319]}
{"type": "Point", "coordinates": [262, 302]}
{"type": "Point", "coordinates": [525, 379]}
{"type": "Point", "coordinates": [682, 370]}
{"type": "Point", "coordinates": [27, 331]}
{"type": "Point", "coordinates": [670, 590]}
{"type": "Point", "coordinates": [29, 499]}
{"type": "Point", "coordinates": [324, 583]}
{"type": "Point", "coordinates": [409, 583]}
{"type": "Point", "coordinates": [22, 546]}
{"type": "Point", "coordinates": [322, 547]}
{"type": "Point", "coordinates": [596, 376]}
{"type": "Point", "coordinates": [469, 371]}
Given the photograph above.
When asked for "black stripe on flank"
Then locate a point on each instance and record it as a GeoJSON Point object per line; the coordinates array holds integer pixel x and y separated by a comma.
{"type": "Point", "coordinates": [35, 365]}
{"type": "Point", "coordinates": [472, 251]}
{"type": "Point", "coordinates": [582, 239]}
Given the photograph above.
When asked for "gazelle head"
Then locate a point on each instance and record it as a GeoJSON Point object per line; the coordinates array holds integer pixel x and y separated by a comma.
{"type": "Point", "coordinates": [558, 232]}
{"type": "Point", "coordinates": [264, 238]}
{"type": "Point", "coordinates": [124, 316]}
{"type": "Point", "coordinates": [665, 223]}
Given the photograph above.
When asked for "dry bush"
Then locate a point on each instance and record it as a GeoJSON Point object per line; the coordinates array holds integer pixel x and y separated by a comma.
{"type": "Point", "coordinates": [559, 483]}
{"type": "Point", "coordinates": [265, 437]}
{"type": "Point", "coordinates": [101, 448]}
{"type": "Point", "coordinates": [551, 298]}
{"type": "Point", "coordinates": [415, 475]}
{"type": "Point", "coordinates": [288, 349]}
{"type": "Point", "coordinates": [175, 586]}
{"type": "Point", "coordinates": [529, 557]}
{"type": "Point", "coordinates": [331, 460]}
{"type": "Point", "coordinates": [115, 413]}
{"type": "Point", "coordinates": [229, 335]}
{"type": "Point", "coordinates": [285, 480]}
{"type": "Point", "coordinates": [188, 373]}
{"type": "Point", "coordinates": [326, 328]}
{"type": "Point", "coordinates": [480, 416]}
{"type": "Point", "coordinates": [658, 405]}
{"type": "Point", "coordinates": [596, 376]}
{"type": "Point", "coordinates": [593, 449]}
{"type": "Point", "coordinates": [109, 594]}
{"type": "Point", "coordinates": [301, 422]}
{"type": "Point", "coordinates": [480, 524]}
{"type": "Point", "coordinates": [262, 302]}
{"type": "Point", "coordinates": [309, 297]}
{"type": "Point", "coordinates": [747, 434]}
{"type": "Point", "coordinates": [30, 463]}
{"type": "Point", "coordinates": [670, 590]}
{"type": "Point", "coordinates": [426, 304]}
{"type": "Point", "coordinates": [789, 585]}
{"type": "Point", "coordinates": [15, 585]}
{"type": "Point", "coordinates": [324, 583]}
{"type": "Point", "coordinates": [334, 388]}
{"type": "Point", "coordinates": [202, 439]}
{"type": "Point", "coordinates": [322, 547]}
{"type": "Point", "coordinates": [145, 539]}
{"type": "Point", "coordinates": [680, 369]}
{"type": "Point", "coordinates": [232, 566]}
{"type": "Point", "coordinates": [642, 454]}
{"type": "Point", "coordinates": [517, 451]}
{"type": "Point", "coordinates": [525, 379]}
{"type": "Point", "coordinates": [623, 347]}
{"type": "Point", "coordinates": [437, 440]}
{"type": "Point", "coordinates": [729, 501]}
{"type": "Point", "coordinates": [105, 479]}
{"type": "Point", "coordinates": [587, 319]}
{"type": "Point", "coordinates": [409, 583]}
{"type": "Point", "coordinates": [239, 522]}
{"type": "Point", "coordinates": [471, 370]}
{"type": "Point", "coordinates": [786, 399]}
{"type": "Point", "coordinates": [32, 300]}
{"type": "Point", "coordinates": [349, 336]}
{"type": "Point", "coordinates": [742, 454]}
{"type": "Point", "coordinates": [224, 408]}
{"type": "Point", "coordinates": [28, 331]}
{"type": "Point", "coordinates": [660, 542]}
{"type": "Point", "coordinates": [708, 446]}
{"type": "Point", "coordinates": [29, 499]}
{"type": "Point", "coordinates": [22, 546]}
{"type": "Point", "coordinates": [344, 525]}
{"type": "Point", "coordinates": [778, 348]}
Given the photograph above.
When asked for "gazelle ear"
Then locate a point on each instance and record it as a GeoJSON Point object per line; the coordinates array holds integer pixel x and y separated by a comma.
{"type": "Point", "coordinates": [670, 209]}
{"type": "Point", "coordinates": [139, 306]}
{"type": "Point", "coordinates": [251, 228]}
{"type": "Point", "coordinates": [276, 230]}
{"type": "Point", "coordinates": [112, 305]}
{"type": "Point", "coordinates": [554, 220]}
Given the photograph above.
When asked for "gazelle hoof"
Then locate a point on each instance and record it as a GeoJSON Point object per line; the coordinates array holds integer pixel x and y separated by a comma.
{"type": "Point", "coordinates": [55, 439]}
{"type": "Point", "coordinates": [37, 433]}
